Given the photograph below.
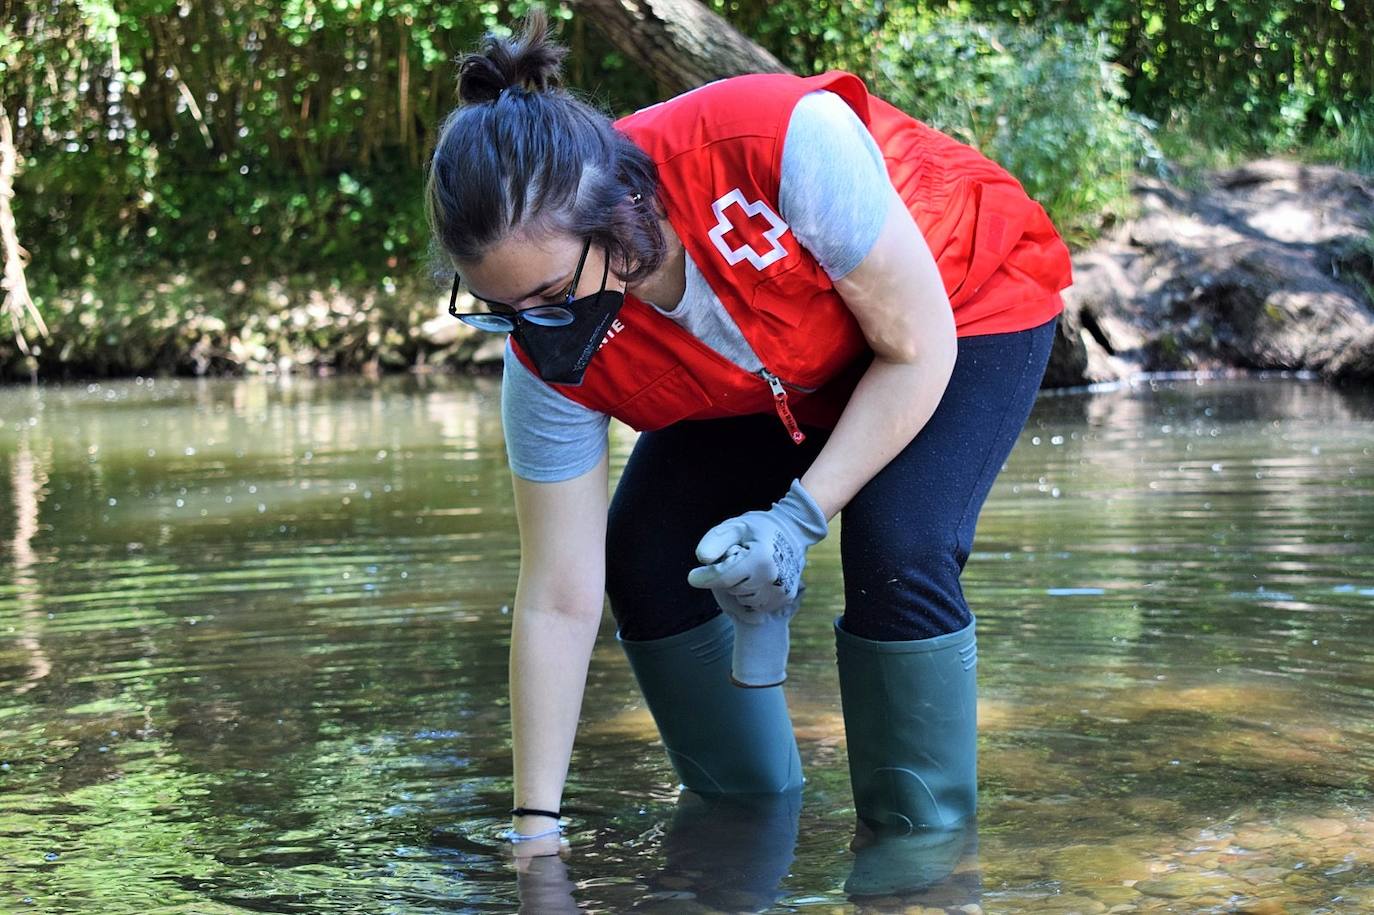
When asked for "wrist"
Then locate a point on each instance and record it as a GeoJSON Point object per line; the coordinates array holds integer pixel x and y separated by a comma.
{"type": "Point", "coordinates": [528, 828]}
{"type": "Point", "coordinates": [810, 519]}
{"type": "Point", "coordinates": [517, 835]}
{"type": "Point", "coordinates": [527, 819]}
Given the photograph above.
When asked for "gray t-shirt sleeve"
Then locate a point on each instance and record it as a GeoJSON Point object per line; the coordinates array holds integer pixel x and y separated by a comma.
{"type": "Point", "coordinates": [834, 189]}
{"type": "Point", "coordinates": [549, 438]}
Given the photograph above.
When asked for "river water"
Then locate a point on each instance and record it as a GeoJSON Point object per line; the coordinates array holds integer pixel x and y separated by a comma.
{"type": "Point", "coordinates": [253, 639]}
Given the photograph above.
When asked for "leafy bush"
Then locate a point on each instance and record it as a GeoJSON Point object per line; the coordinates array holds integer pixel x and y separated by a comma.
{"type": "Point", "coordinates": [237, 137]}
{"type": "Point", "coordinates": [1230, 79]}
{"type": "Point", "coordinates": [1353, 143]}
{"type": "Point", "coordinates": [1048, 105]}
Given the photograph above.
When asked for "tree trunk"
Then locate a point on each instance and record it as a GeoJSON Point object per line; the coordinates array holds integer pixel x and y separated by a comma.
{"type": "Point", "coordinates": [17, 303]}
{"type": "Point", "coordinates": [680, 43]}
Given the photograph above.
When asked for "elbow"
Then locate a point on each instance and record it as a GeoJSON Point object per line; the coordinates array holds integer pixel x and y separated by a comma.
{"type": "Point", "coordinates": [566, 623]}
{"type": "Point", "coordinates": [933, 347]}
{"type": "Point", "coordinates": [578, 610]}
{"type": "Point", "coordinates": [927, 353]}
{"type": "Point", "coordinates": [560, 592]}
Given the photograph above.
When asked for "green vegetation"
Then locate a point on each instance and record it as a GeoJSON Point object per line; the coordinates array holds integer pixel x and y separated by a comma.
{"type": "Point", "coordinates": [232, 144]}
{"type": "Point", "coordinates": [1258, 76]}
{"type": "Point", "coordinates": [1045, 104]}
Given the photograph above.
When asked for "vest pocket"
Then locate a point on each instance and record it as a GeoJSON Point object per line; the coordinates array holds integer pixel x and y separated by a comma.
{"type": "Point", "coordinates": [671, 397]}
{"type": "Point", "coordinates": [787, 294]}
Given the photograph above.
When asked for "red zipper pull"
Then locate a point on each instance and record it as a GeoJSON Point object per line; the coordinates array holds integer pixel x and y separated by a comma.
{"type": "Point", "coordinates": [784, 409]}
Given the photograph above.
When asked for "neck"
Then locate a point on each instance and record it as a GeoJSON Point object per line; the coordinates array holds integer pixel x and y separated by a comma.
{"type": "Point", "coordinates": [665, 286]}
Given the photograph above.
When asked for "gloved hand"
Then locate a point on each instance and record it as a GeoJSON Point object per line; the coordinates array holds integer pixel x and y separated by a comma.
{"type": "Point", "coordinates": [754, 566]}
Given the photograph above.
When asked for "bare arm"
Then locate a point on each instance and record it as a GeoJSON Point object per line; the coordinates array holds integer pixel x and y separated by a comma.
{"type": "Point", "coordinates": [557, 611]}
{"type": "Point", "coordinates": [900, 302]}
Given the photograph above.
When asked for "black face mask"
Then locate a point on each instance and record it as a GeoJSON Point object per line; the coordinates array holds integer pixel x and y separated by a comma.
{"type": "Point", "coordinates": [561, 354]}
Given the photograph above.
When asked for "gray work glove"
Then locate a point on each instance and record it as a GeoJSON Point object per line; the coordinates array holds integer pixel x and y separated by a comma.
{"type": "Point", "coordinates": [754, 565]}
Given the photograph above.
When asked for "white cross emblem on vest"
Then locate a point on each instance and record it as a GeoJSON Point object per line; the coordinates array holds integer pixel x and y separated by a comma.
{"type": "Point", "coordinates": [746, 251]}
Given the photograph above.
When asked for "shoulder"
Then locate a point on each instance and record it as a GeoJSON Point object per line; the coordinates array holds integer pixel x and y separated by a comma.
{"type": "Point", "coordinates": [734, 89]}
{"type": "Point", "coordinates": [820, 111]}
{"type": "Point", "coordinates": [753, 105]}
{"type": "Point", "coordinates": [757, 91]}
{"type": "Point", "coordinates": [826, 138]}
{"type": "Point", "coordinates": [834, 187]}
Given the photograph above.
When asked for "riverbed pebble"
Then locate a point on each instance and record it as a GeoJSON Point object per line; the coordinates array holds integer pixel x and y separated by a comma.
{"type": "Point", "coordinates": [1260, 837]}
{"type": "Point", "coordinates": [1113, 896]}
{"type": "Point", "coordinates": [1260, 876]}
{"type": "Point", "coordinates": [1070, 905]}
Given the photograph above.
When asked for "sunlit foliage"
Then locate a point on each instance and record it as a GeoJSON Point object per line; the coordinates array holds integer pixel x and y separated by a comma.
{"type": "Point", "coordinates": [239, 140]}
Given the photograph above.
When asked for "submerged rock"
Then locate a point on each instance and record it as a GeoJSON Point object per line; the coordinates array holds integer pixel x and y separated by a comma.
{"type": "Point", "coordinates": [1317, 827]}
{"type": "Point", "coordinates": [1257, 838]}
{"type": "Point", "coordinates": [1193, 886]}
{"type": "Point", "coordinates": [1080, 865]}
{"type": "Point", "coordinates": [1114, 896]}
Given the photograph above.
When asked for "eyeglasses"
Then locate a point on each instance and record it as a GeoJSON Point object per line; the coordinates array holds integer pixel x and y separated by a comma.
{"type": "Point", "coordinates": [540, 315]}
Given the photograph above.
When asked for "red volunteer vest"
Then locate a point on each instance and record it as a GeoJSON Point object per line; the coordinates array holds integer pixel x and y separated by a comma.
{"type": "Point", "coordinates": [718, 150]}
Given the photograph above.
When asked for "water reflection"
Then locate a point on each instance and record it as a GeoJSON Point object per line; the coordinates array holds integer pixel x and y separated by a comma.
{"type": "Point", "coordinates": [921, 862]}
{"type": "Point", "coordinates": [254, 655]}
{"type": "Point", "coordinates": [544, 886]}
{"type": "Point", "coordinates": [27, 482]}
{"type": "Point", "coordinates": [719, 854]}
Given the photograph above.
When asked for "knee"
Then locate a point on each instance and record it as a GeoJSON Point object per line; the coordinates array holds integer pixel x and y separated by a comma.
{"type": "Point", "coordinates": [904, 592]}
{"type": "Point", "coordinates": [887, 566]}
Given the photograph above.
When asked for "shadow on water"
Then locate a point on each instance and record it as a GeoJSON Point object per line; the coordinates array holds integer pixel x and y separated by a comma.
{"type": "Point", "coordinates": [254, 640]}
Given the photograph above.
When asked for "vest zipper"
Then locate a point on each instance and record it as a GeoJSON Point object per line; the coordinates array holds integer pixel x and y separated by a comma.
{"type": "Point", "coordinates": [781, 405]}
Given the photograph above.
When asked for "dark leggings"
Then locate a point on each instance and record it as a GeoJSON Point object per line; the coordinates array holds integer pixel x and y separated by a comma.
{"type": "Point", "coordinates": [906, 534]}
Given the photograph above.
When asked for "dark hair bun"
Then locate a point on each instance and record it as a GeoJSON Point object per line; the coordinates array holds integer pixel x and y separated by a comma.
{"type": "Point", "coordinates": [529, 61]}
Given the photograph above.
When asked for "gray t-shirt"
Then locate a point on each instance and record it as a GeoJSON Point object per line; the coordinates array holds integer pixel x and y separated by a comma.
{"type": "Point", "coordinates": [833, 194]}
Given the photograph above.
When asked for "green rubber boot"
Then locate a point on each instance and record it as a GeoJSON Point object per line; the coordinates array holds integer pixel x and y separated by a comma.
{"type": "Point", "coordinates": [720, 739]}
{"type": "Point", "coordinates": [911, 727]}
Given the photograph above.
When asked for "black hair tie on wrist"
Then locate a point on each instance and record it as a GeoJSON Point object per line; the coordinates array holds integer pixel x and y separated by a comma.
{"type": "Point", "coordinates": [532, 812]}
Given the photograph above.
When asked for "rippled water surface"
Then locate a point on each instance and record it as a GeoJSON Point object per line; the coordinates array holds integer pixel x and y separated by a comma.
{"type": "Point", "coordinates": [253, 637]}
